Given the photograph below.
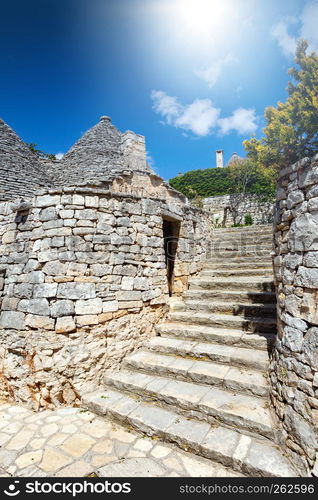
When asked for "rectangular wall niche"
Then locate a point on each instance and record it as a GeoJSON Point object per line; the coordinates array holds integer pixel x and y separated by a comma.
{"type": "Point", "coordinates": [171, 231]}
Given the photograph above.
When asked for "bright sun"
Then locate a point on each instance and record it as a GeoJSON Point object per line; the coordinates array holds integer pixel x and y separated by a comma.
{"type": "Point", "coordinates": [203, 17]}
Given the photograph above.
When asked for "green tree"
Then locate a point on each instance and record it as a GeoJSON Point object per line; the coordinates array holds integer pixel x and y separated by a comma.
{"type": "Point", "coordinates": [38, 152]}
{"type": "Point", "coordinates": [291, 130]}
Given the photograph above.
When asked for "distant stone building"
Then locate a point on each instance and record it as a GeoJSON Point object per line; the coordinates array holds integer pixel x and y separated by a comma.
{"type": "Point", "coordinates": [92, 247]}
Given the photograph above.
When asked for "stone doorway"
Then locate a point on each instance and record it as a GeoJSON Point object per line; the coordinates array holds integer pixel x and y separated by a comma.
{"type": "Point", "coordinates": [171, 230]}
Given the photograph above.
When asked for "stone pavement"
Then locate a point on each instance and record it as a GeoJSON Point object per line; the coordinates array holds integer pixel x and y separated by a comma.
{"type": "Point", "coordinates": [73, 442]}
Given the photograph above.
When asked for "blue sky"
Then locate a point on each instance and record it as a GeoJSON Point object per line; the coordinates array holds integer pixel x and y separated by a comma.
{"type": "Point", "coordinates": [192, 76]}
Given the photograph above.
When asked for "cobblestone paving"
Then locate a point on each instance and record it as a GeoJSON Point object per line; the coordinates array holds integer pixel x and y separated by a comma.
{"type": "Point", "coordinates": [73, 442]}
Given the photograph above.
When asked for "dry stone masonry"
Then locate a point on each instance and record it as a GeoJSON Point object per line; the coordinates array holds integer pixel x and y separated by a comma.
{"type": "Point", "coordinates": [86, 269]}
{"type": "Point", "coordinates": [231, 209]}
{"type": "Point", "coordinates": [202, 383]}
{"type": "Point", "coordinates": [294, 369]}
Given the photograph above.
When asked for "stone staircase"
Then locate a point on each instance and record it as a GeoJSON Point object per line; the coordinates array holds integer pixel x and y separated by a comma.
{"type": "Point", "coordinates": [202, 382]}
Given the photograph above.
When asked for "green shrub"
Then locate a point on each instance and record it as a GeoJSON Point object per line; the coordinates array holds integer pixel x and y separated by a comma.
{"type": "Point", "coordinates": [248, 220]}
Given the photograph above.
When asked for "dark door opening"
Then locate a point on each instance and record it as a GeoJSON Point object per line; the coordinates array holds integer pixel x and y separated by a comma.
{"type": "Point", "coordinates": [171, 230]}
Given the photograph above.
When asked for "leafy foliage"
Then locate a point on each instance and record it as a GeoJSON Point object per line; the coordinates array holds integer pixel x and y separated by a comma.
{"type": "Point", "coordinates": [240, 177]}
{"type": "Point", "coordinates": [248, 220]}
{"type": "Point", "coordinates": [291, 130]}
{"type": "Point", "coordinates": [38, 152]}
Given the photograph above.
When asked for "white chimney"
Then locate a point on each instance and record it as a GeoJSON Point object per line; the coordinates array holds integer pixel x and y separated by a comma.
{"type": "Point", "coordinates": [219, 158]}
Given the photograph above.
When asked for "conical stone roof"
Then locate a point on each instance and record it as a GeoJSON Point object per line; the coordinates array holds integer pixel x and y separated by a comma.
{"type": "Point", "coordinates": [21, 173]}
{"type": "Point", "coordinates": [96, 155]}
{"type": "Point", "coordinates": [235, 158]}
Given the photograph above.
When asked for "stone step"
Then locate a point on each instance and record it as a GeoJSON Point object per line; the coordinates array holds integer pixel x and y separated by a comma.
{"type": "Point", "coordinates": [218, 353]}
{"type": "Point", "coordinates": [240, 244]}
{"type": "Point", "coordinates": [241, 283]}
{"type": "Point", "coordinates": [210, 404]}
{"type": "Point", "coordinates": [250, 252]}
{"type": "Point", "coordinates": [239, 265]}
{"type": "Point", "coordinates": [250, 324]}
{"type": "Point", "coordinates": [258, 229]}
{"type": "Point", "coordinates": [234, 308]}
{"type": "Point", "coordinates": [232, 296]}
{"type": "Point", "coordinates": [265, 272]}
{"type": "Point", "coordinates": [224, 336]}
{"type": "Point", "coordinates": [243, 238]}
{"type": "Point", "coordinates": [243, 453]}
{"type": "Point", "coordinates": [246, 381]}
{"type": "Point", "coordinates": [251, 260]}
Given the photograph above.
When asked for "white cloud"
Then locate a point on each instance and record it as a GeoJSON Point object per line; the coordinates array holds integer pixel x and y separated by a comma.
{"type": "Point", "coordinates": [309, 24]}
{"type": "Point", "coordinates": [307, 28]}
{"type": "Point", "coordinates": [165, 105]}
{"type": "Point", "coordinates": [212, 73]}
{"type": "Point", "coordinates": [242, 120]}
{"type": "Point", "coordinates": [150, 160]}
{"type": "Point", "coordinates": [59, 156]}
{"type": "Point", "coordinates": [201, 117]}
{"type": "Point", "coordinates": [286, 42]}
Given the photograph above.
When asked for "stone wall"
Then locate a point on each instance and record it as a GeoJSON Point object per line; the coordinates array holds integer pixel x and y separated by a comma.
{"type": "Point", "coordinates": [231, 209]}
{"type": "Point", "coordinates": [83, 281]}
{"type": "Point", "coordinates": [294, 366]}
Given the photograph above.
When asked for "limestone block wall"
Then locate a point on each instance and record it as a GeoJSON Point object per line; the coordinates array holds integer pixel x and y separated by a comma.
{"type": "Point", "coordinates": [294, 366]}
{"type": "Point", "coordinates": [231, 209]}
{"type": "Point", "coordinates": [83, 281]}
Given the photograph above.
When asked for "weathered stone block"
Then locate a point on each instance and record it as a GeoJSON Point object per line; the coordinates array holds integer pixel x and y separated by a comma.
{"type": "Point", "coordinates": [306, 277]}
{"type": "Point", "coordinates": [12, 320]}
{"type": "Point", "coordinates": [47, 200]}
{"type": "Point", "coordinates": [86, 213]}
{"type": "Point", "coordinates": [58, 231]}
{"type": "Point", "coordinates": [90, 306]}
{"type": "Point", "coordinates": [57, 241]}
{"type": "Point", "coordinates": [110, 306]}
{"type": "Point", "coordinates": [91, 201]}
{"type": "Point", "coordinates": [150, 294]}
{"type": "Point", "coordinates": [294, 322]}
{"type": "Point", "coordinates": [47, 214]}
{"type": "Point", "coordinates": [36, 277]}
{"type": "Point", "coordinates": [301, 430]}
{"type": "Point", "coordinates": [141, 283]}
{"type": "Point", "coordinates": [101, 269]}
{"type": "Point", "coordinates": [125, 270]}
{"type": "Point", "coordinates": [35, 306]}
{"type": "Point", "coordinates": [62, 308]}
{"type": "Point", "coordinates": [66, 214]}
{"type": "Point", "coordinates": [23, 290]}
{"type": "Point", "coordinates": [310, 347]}
{"type": "Point", "coordinates": [78, 199]}
{"type": "Point", "coordinates": [87, 320]}
{"type": "Point", "coordinates": [131, 304]}
{"type": "Point", "coordinates": [127, 283]}
{"type": "Point", "coordinates": [9, 303]}
{"type": "Point", "coordinates": [293, 339]}
{"type": "Point", "coordinates": [47, 290]}
{"type": "Point", "coordinates": [54, 268]}
{"type": "Point", "coordinates": [65, 324]}
{"type": "Point", "coordinates": [129, 295]}
{"type": "Point", "coordinates": [311, 259]}
{"type": "Point", "coordinates": [294, 198]}
{"type": "Point", "coordinates": [308, 176]}
{"type": "Point", "coordinates": [39, 322]}
{"type": "Point", "coordinates": [8, 237]}
{"type": "Point", "coordinates": [47, 255]}
{"type": "Point", "coordinates": [303, 234]}
{"type": "Point", "coordinates": [76, 291]}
